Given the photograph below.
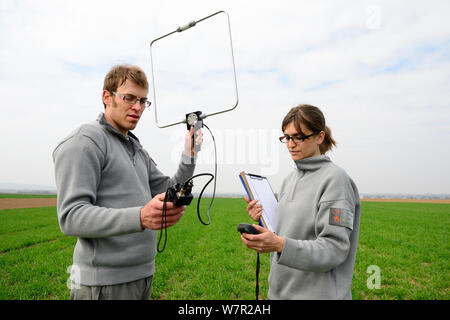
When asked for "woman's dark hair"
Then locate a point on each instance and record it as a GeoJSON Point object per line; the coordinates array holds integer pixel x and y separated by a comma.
{"type": "Point", "coordinates": [313, 119]}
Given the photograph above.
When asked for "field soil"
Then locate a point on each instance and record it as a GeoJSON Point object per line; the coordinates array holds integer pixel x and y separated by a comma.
{"type": "Point", "coordinates": [409, 200]}
{"type": "Point", "coordinates": [16, 203]}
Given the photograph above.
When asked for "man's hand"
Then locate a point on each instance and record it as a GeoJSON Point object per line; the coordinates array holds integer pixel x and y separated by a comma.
{"type": "Point", "coordinates": [254, 210]}
{"type": "Point", "coordinates": [188, 145]}
{"type": "Point", "coordinates": [265, 241]}
{"type": "Point", "coordinates": [151, 213]}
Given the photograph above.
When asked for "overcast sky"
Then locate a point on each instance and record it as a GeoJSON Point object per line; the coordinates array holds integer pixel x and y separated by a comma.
{"type": "Point", "coordinates": [379, 70]}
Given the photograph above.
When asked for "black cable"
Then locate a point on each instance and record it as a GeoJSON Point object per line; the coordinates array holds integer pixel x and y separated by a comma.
{"type": "Point", "coordinates": [164, 213]}
{"type": "Point", "coordinates": [163, 221]}
{"type": "Point", "coordinates": [215, 181]}
{"type": "Point", "coordinates": [200, 197]}
{"type": "Point", "coordinates": [257, 276]}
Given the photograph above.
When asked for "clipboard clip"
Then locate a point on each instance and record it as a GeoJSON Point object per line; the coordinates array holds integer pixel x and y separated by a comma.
{"type": "Point", "coordinates": [255, 176]}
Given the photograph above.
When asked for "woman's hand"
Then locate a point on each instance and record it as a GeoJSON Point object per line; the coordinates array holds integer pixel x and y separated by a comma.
{"type": "Point", "coordinates": [254, 210]}
{"type": "Point", "coordinates": [265, 241]}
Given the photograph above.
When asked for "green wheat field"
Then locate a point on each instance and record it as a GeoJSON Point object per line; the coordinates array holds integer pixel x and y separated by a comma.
{"type": "Point", "coordinates": [408, 242]}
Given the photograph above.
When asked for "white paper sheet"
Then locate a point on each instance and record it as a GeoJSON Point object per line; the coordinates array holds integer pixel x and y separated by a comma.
{"type": "Point", "coordinates": [262, 191]}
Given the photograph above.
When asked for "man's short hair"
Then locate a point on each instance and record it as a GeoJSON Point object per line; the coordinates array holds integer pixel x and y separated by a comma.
{"type": "Point", "coordinates": [120, 73]}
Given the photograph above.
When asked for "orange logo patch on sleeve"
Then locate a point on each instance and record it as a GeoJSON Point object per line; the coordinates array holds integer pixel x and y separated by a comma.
{"type": "Point", "coordinates": [341, 217]}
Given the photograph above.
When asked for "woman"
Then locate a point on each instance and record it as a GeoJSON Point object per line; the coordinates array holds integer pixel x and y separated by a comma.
{"type": "Point", "coordinates": [314, 247]}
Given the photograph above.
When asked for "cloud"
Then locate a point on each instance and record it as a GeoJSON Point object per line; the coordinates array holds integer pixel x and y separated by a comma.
{"type": "Point", "coordinates": [378, 69]}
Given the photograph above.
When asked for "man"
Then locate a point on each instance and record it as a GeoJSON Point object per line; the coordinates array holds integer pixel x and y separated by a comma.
{"type": "Point", "coordinates": [110, 194]}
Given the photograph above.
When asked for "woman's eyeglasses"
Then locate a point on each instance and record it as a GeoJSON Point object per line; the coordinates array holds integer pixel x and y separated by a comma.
{"type": "Point", "coordinates": [296, 138]}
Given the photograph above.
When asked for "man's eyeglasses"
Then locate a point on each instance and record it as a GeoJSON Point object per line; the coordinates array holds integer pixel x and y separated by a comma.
{"type": "Point", "coordinates": [129, 98]}
{"type": "Point", "coordinates": [296, 138]}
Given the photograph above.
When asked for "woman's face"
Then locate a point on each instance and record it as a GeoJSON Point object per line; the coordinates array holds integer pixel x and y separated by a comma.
{"type": "Point", "coordinates": [306, 148]}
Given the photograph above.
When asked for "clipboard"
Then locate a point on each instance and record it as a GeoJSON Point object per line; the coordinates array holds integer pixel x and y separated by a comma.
{"type": "Point", "coordinates": [258, 187]}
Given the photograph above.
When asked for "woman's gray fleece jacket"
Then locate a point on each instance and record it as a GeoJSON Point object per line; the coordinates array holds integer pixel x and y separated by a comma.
{"type": "Point", "coordinates": [318, 215]}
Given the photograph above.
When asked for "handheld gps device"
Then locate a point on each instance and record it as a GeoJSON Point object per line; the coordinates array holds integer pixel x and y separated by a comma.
{"type": "Point", "coordinates": [247, 228]}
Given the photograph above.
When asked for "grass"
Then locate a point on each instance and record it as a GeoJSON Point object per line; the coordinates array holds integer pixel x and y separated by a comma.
{"type": "Point", "coordinates": [208, 262]}
{"type": "Point", "coordinates": [34, 255]}
{"type": "Point", "coordinates": [409, 242]}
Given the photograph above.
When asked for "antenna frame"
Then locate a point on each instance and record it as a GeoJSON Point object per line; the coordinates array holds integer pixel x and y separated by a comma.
{"type": "Point", "coordinates": [181, 29]}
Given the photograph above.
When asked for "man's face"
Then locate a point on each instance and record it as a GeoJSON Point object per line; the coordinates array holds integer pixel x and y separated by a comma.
{"type": "Point", "coordinates": [122, 115]}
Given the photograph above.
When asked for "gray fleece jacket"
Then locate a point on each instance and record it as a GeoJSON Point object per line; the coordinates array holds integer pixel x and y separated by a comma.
{"type": "Point", "coordinates": [103, 180]}
{"type": "Point", "coordinates": [318, 215]}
